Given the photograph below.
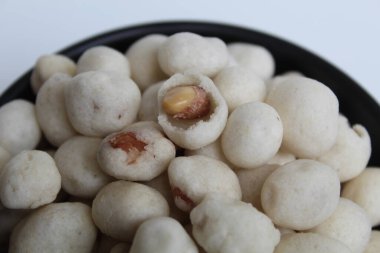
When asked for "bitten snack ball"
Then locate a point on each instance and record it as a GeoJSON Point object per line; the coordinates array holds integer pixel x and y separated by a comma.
{"type": "Point", "coordinates": [192, 112]}
{"type": "Point", "coordinates": [121, 206]}
{"type": "Point", "coordinates": [300, 194]}
{"type": "Point", "coordinates": [137, 153]}
{"type": "Point", "coordinates": [254, 57]}
{"type": "Point", "coordinates": [239, 85]}
{"type": "Point", "coordinates": [224, 225]}
{"type": "Point", "coordinates": [60, 227]}
{"type": "Point", "coordinates": [98, 104]}
{"type": "Point", "coordinates": [29, 180]}
{"type": "Point", "coordinates": [51, 110]}
{"type": "Point", "coordinates": [351, 152]}
{"type": "Point", "coordinates": [252, 135]}
{"type": "Point", "coordinates": [143, 58]}
{"type": "Point", "coordinates": [162, 235]}
{"type": "Point", "coordinates": [19, 129]}
{"type": "Point", "coordinates": [188, 51]}
{"type": "Point", "coordinates": [81, 173]}
{"type": "Point", "coordinates": [191, 178]}
{"type": "Point", "coordinates": [310, 243]}
{"type": "Point", "coordinates": [348, 224]}
{"type": "Point", "coordinates": [309, 113]}
{"type": "Point", "coordinates": [48, 65]}
{"type": "Point", "coordinates": [364, 190]}
{"type": "Point", "coordinates": [374, 243]}
{"type": "Point", "coordinates": [102, 58]}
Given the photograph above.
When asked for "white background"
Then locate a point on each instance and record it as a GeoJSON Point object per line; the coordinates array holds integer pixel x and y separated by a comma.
{"type": "Point", "coordinates": [346, 33]}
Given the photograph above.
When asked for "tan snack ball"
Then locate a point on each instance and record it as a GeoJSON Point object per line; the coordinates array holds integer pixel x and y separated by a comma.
{"type": "Point", "coordinates": [254, 57]}
{"type": "Point", "coordinates": [19, 129]}
{"type": "Point", "coordinates": [51, 110]}
{"type": "Point", "coordinates": [103, 58]}
{"type": "Point", "coordinates": [251, 183]}
{"type": "Point", "coordinates": [351, 152]}
{"type": "Point", "coordinates": [348, 224]}
{"type": "Point", "coordinates": [310, 243]}
{"type": "Point", "coordinates": [252, 136]}
{"type": "Point", "coordinates": [120, 207]}
{"type": "Point", "coordinates": [48, 65]}
{"type": "Point", "coordinates": [136, 153]}
{"type": "Point", "coordinates": [60, 227]}
{"type": "Point", "coordinates": [162, 235]}
{"type": "Point", "coordinates": [81, 173]}
{"type": "Point", "coordinates": [239, 85]}
{"type": "Point", "coordinates": [192, 178]}
{"type": "Point", "coordinates": [300, 194]}
{"type": "Point", "coordinates": [188, 51]}
{"type": "Point", "coordinates": [364, 190]}
{"type": "Point", "coordinates": [309, 113]}
{"type": "Point", "coordinates": [192, 112]}
{"type": "Point", "coordinates": [374, 243]}
{"type": "Point", "coordinates": [224, 225]}
{"type": "Point", "coordinates": [98, 103]}
{"type": "Point", "coordinates": [28, 180]}
{"type": "Point", "coordinates": [143, 59]}
{"type": "Point", "coordinates": [149, 103]}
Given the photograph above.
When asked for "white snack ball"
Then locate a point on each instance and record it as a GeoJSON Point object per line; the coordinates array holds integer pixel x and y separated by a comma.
{"type": "Point", "coordinates": [98, 104]}
{"type": "Point", "coordinates": [120, 248]}
{"type": "Point", "coordinates": [162, 235]}
{"type": "Point", "coordinates": [192, 112]}
{"type": "Point", "coordinates": [373, 245]}
{"type": "Point", "coordinates": [51, 110]}
{"type": "Point", "coordinates": [19, 129]}
{"type": "Point", "coordinates": [348, 224]}
{"type": "Point", "coordinates": [251, 183]}
{"type": "Point", "coordinates": [149, 103]}
{"type": "Point", "coordinates": [143, 59]}
{"type": "Point", "coordinates": [191, 178]}
{"type": "Point", "coordinates": [310, 243]}
{"type": "Point", "coordinates": [162, 184]}
{"type": "Point", "coordinates": [309, 113]}
{"type": "Point", "coordinates": [252, 136]}
{"type": "Point", "coordinates": [136, 153]}
{"type": "Point", "coordinates": [364, 190]}
{"type": "Point", "coordinates": [254, 57]}
{"type": "Point", "coordinates": [184, 51]}
{"type": "Point", "coordinates": [280, 78]}
{"type": "Point", "coordinates": [81, 173]}
{"type": "Point", "coordinates": [239, 85]}
{"type": "Point", "coordinates": [29, 180]}
{"type": "Point", "coordinates": [103, 58]}
{"type": "Point", "coordinates": [121, 206]}
{"type": "Point", "coordinates": [351, 152]}
{"type": "Point", "coordinates": [223, 225]}
{"type": "Point", "coordinates": [48, 65]}
{"type": "Point", "coordinates": [60, 227]}
{"type": "Point", "coordinates": [300, 194]}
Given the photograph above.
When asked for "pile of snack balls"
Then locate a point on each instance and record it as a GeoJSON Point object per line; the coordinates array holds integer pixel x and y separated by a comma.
{"type": "Point", "coordinates": [183, 145]}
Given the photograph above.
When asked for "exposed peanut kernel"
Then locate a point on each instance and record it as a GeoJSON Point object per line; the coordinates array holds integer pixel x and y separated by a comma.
{"type": "Point", "coordinates": [128, 142]}
{"type": "Point", "coordinates": [186, 102]}
{"type": "Point", "coordinates": [177, 193]}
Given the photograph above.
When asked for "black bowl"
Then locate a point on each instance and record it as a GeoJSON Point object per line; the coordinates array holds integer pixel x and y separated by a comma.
{"type": "Point", "coordinates": [355, 103]}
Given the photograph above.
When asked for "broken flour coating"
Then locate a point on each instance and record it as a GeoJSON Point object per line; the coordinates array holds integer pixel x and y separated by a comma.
{"type": "Point", "coordinates": [191, 178]}
{"type": "Point", "coordinates": [224, 225]}
{"type": "Point", "coordinates": [162, 235]}
{"type": "Point", "coordinates": [140, 152]}
{"type": "Point", "coordinates": [99, 103]}
{"type": "Point", "coordinates": [198, 132]}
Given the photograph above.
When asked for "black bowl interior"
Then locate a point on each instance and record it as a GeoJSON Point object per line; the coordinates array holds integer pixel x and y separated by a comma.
{"type": "Point", "coordinates": [355, 103]}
